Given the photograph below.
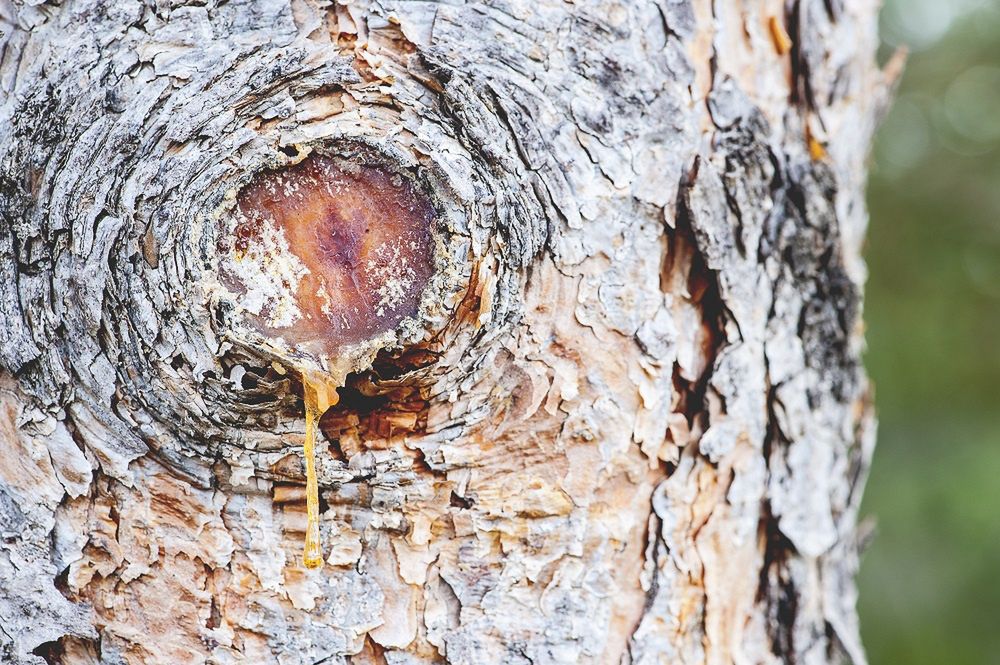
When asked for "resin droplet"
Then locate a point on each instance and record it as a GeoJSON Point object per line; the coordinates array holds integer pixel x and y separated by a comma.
{"type": "Point", "coordinates": [318, 396]}
{"type": "Point", "coordinates": [328, 252]}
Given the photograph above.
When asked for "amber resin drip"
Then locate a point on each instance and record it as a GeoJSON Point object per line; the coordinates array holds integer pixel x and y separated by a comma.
{"type": "Point", "coordinates": [319, 257]}
{"type": "Point", "coordinates": [318, 395]}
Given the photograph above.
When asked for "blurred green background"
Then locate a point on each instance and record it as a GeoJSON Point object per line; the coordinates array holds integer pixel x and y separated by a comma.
{"type": "Point", "coordinates": [930, 581]}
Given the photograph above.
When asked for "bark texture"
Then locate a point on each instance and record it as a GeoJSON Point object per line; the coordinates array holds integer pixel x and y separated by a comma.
{"type": "Point", "coordinates": [628, 425]}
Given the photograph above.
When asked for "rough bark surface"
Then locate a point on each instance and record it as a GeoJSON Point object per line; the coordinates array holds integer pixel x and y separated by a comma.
{"type": "Point", "coordinates": [629, 424]}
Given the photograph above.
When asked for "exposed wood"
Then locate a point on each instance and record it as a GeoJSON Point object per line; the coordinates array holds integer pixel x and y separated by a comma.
{"type": "Point", "coordinates": [628, 424]}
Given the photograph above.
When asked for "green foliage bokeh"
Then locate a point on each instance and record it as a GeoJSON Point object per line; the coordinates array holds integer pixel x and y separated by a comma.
{"type": "Point", "coordinates": [930, 581]}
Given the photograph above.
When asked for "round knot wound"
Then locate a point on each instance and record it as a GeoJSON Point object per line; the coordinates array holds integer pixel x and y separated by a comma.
{"type": "Point", "coordinates": [328, 252]}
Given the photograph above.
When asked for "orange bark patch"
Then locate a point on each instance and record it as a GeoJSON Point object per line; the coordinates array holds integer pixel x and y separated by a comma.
{"type": "Point", "coordinates": [782, 41]}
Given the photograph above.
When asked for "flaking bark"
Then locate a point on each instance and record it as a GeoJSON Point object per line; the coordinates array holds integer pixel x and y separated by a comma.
{"type": "Point", "coordinates": [628, 426]}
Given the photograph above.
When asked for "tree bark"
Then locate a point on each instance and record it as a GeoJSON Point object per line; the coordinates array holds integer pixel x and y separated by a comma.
{"type": "Point", "coordinates": [628, 423]}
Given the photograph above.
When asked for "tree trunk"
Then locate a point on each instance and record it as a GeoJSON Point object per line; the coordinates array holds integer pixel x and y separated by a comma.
{"type": "Point", "coordinates": [625, 423]}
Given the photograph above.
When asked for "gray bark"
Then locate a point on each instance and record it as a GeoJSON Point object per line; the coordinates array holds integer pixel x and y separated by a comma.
{"type": "Point", "coordinates": [629, 424]}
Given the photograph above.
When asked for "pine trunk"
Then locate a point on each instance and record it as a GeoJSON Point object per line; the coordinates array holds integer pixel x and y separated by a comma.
{"type": "Point", "coordinates": [628, 422]}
